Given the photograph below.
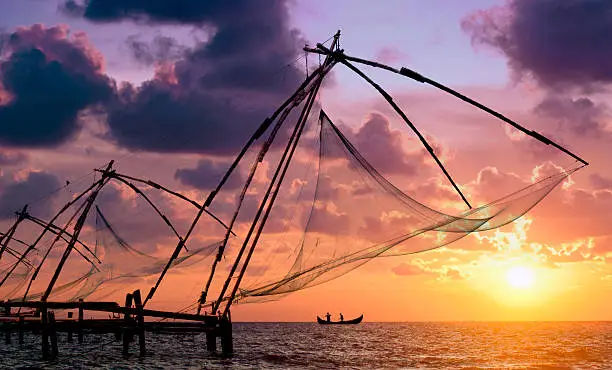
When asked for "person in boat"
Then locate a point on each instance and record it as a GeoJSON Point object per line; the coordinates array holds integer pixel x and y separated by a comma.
{"type": "Point", "coordinates": [341, 317]}
{"type": "Point", "coordinates": [328, 317]}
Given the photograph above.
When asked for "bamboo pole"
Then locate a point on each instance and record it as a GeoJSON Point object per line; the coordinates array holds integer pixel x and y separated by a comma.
{"type": "Point", "coordinates": [20, 325]}
{"type": "Point", "coordinates": [281, 175]}
{"type": "Point", "coordinates": [46, 229]}
{"type": "Point", "coordinates": [406, 72]}
{"type": "Point", "coordinates": [140, 322]}
{"type": "Point", "coordinates": [77, 230]}
{"type": "Point", "coordinates": [401, 113]}
{"type": "Point", "coordinates": [243, 248]}
{"type": "Point", "coordinates": [80, 322]}
{"type": "Point", "coordinates": [53, 334]}
{"type": "Point", "coordinates": [174, 193]}
{"type": "Point", "coordinates": [6, 238]}
{"type": "Point", "coordinates": [259, 159]}
{"type": "Point", "coordinates": [287, 154]}
{"type": "Point", "coordinates": [260, 131]}
{"type": "Point", "coordinates": [127, 326]}
{"type": "Point", "coordinates": [44, 332]}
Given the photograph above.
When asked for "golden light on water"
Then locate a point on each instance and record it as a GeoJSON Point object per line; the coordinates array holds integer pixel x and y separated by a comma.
{"type": "Point", "coordinates": [520, 277]}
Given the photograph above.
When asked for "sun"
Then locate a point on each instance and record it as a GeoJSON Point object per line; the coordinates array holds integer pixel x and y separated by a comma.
{"type": "Point", "coordinates": [520, 277]}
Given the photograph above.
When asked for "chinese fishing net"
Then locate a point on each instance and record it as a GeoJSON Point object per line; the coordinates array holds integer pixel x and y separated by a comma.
{"type": "Point", "coordinates": [352, 214]}
{"type": "Point", "coordinates": [102, 262]}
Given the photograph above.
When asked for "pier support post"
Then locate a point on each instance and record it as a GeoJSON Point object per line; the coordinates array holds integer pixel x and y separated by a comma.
{"type": "Point", "coordinates": [53, 334]}
{"type": "Point", "coordinates": [127, 326]}
{"type": "Point", "coordinates": [70, 327]}
{"type": "Point", "coordinates": [20, 325]}
{"type": "Point", "coordinates": [211, 339]}
{"type": "Point", "coordinates": [140, 322]}
{"type": "Point", "coordinates": [7, 332]}
{"type": "Point", "coordinates": [80, 323]}
{"type": "Point", "coordinates": [227, 345]}
{"type": "Point", "coordinates": [44, 332]}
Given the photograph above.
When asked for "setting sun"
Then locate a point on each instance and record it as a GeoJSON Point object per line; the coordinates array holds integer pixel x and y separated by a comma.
{"type": "Point", "coordinates": [520, 277]}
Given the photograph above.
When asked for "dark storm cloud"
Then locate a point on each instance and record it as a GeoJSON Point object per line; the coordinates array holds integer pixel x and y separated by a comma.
{"type": "Point", "coordinates": [47, 79]}
{"type": "Point", "coordinates": [207, 175]}
{"type": "Point", "coordinates": [17, 194]}
{"type": "Point", "coordinates": [156, 11]}
{"type": "Point", "coordinates": [559, 42]}
{"type": "Point", "coordinates": [161, 49]}
{"type": "Point", "coordinates": [212, 98]}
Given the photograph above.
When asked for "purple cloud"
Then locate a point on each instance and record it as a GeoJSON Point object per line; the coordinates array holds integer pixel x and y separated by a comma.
{"type": "Point", "coordinates": [17, 194]}
{"type": "Point", "coordinates": [212, 98]}
{"type": "Point", "coordinates": [50, 77]}
{"type": "Point", "coordinates": [561, 43]}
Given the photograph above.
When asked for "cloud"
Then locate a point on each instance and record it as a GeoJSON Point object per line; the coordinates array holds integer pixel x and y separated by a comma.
{"type": "Point", "coordinates": [212, 98]}
{"type": "Point", "coordinates": [452, 273]}
{"type": "Point", "coordinates": [580, 116]}
{"type": "Point", "coordinates": [134, 220]}
{"type": "Point", "coordinates": [157, 11]}
{"type": "Point", "coordinates": [11, 158]}
{"type": "Point", "coordinates": [419, 266]}
{"type": "Point", "coordinates": [560, 43]}
{"type": "Point", "coordinates": [600, 182]}
{"type": "Point", "coordinates": [50, 77]}
{"type": "Point", "coordinates": [383, 147]}
{"type": "Point", "coordinates": [406, 269]}
{"type": "Point", "coordinates": [207, 175]}
{"type": "Point", "coordinates": [389, 55]}
{"type": "Point", "coordinates": [35, 186]}
{"type": "Point", "coordinates": [162, 49]}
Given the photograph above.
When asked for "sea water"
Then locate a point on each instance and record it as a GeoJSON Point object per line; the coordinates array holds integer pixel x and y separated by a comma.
{"type": "Point", "coordinates": [463, 345]}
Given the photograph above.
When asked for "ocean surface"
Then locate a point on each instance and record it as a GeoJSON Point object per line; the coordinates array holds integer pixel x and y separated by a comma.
{"type": "Point", "coordinates": [465, 345]}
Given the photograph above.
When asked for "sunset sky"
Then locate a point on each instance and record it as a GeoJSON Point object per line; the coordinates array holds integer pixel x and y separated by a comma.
{"type": "Point", "coordinates": [172, 93]}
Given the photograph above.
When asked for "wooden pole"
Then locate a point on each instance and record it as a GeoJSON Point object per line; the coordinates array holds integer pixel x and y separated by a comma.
{"type": "Point", "coordinates": [44, 332]}
{"type": "Point", "coordinates": [40, 236]}
{"type": "Point", "coordinates": [127, 326]}
{"type": "Point", "coordinates": [406, 72]}
{"type": "Point", "coordinates": [77, 230]}
{"type": "Point", "coordinates": [328, 64]}
{"type": "Point", "coordinates": [211, 340]}
{"type": "Point", "coordinates": [9, 235]}
{"type": "Point", "coordinates": [7, 332]}
{"type": "Point", "coordinates": [70, 327]}
{"type": "Point", "coordinates": [140, 318]}
{"type": "Point", "coordinates": [260, 131]}
{"type": "Point", "coordinates": [296, 131]}
{"type": "Point", "coordinates": [264, 149]}
{"type": "Point", "coordinates": [80, 323]}
{"type": "Point", "coordinates": [53, 334]}
{"type": "Point", "coordinates": [20, 328]}
{"type": "Point", "coordinates": [227, 345]}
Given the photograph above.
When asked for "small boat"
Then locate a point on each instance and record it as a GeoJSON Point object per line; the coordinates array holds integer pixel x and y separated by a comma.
{"type": "Point", "coordinates": [345, 322]}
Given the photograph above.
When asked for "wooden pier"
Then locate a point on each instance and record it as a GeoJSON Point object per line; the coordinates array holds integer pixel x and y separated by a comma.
{"type": "Point", "coordinates": [128, 322]}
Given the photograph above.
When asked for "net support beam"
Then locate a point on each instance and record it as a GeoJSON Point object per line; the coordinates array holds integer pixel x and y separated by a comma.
{"type": "Point", "coordinates": [339, 56]}
{"type": "Point", "coordinates": [280, 172]}
{"type": "Point", "coordinates": [6, 238]}
{"type": "Point", "coordinates": [406, 72]}
{"type": "Point", "coordinates": [48, 228]}
{"type": "Point", "coordinates": [77, 230]}
{"type": "Point", "coordinates": [263, 127]}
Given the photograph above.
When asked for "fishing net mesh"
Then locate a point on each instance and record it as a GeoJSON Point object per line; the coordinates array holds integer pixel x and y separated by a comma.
{"type": "Point", "coordinates": [355, 214]}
